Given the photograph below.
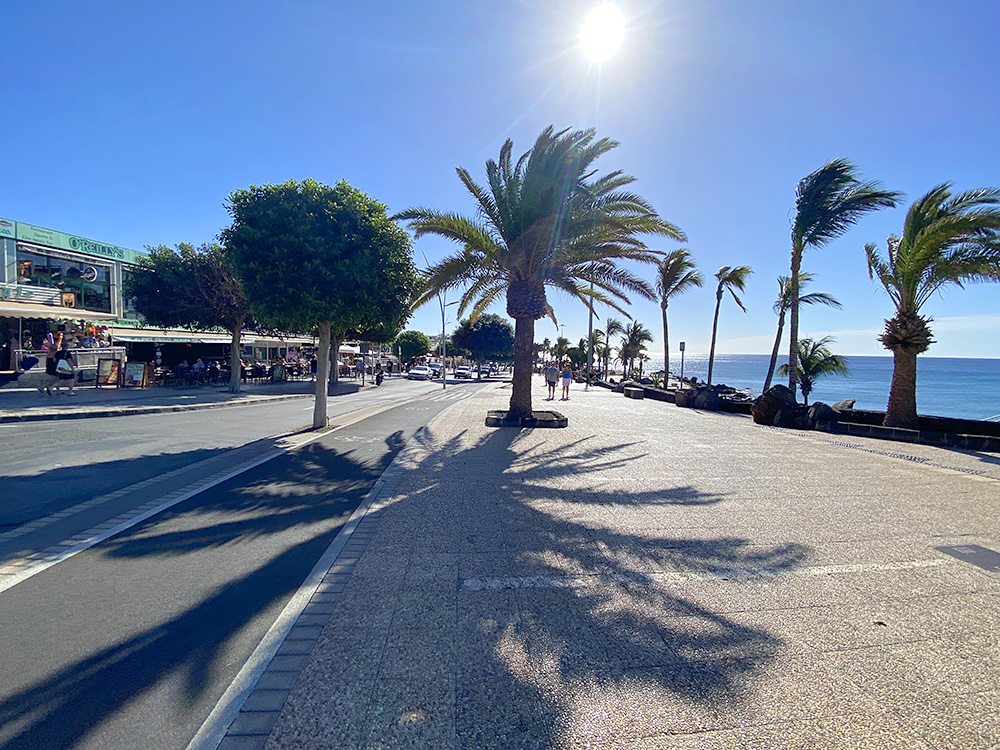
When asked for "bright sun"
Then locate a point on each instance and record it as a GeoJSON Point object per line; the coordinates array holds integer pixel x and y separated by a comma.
{"type": "Point", "coordinates": [603, 32]}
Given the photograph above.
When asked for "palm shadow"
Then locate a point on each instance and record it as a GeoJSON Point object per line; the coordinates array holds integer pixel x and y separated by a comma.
{"type": "Point", "coordinates": [299, 502]}
{"type": "Point", "coordinates": [560, 599]}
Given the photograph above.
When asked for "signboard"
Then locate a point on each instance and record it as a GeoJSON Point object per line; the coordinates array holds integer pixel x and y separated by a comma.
{"type": "Point", "coordinates": [108, 372]}
{"type": "Point", "coordinates": [42, 236]}
{"type": "Point", "coordinates": [682, 346]}
{"type": "Point", "coordinates": [136, 375]}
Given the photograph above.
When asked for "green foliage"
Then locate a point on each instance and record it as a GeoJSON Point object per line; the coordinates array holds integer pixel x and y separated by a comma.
{"type": "Point", "coordinates": [543, 221]}
{"type": "Point", "coordinates": [489, 337]}
{"type": "Point", "coordinates": [187, 287]}
{"type": "Point", "coordinates": [814, 362]}
{"type": "Point", "coordinates": [412, 344]}
{"type": "Point", "coordinates": [311, 254]}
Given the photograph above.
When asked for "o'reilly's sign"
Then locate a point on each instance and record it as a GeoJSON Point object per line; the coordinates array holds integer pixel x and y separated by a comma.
{"type": "Point", "coordinates": [42, 236]}
{"type": "Point", "coordinates": [96, 248]}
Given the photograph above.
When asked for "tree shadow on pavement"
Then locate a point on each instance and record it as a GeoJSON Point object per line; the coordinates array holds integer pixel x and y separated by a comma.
{"type": "Point", "coordinates": [578, 602]}
{"type": "Point", "coordinates": [287, 513]}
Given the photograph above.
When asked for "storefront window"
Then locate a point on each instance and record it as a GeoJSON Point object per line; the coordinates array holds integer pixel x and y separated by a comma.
{"type": "Point", "coordinates": [82, 283]}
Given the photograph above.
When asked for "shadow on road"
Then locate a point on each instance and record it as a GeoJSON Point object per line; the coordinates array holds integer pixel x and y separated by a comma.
{"type": "Point", "coordinates": [277, 519]}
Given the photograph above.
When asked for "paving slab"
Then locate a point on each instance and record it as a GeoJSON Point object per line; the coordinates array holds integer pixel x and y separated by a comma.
{"type": "Point", "coordinates": [655, 577]}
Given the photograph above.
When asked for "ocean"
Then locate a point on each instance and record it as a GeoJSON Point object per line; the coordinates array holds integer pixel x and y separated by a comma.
{"type": "Point", "coordinates": [946, 386]}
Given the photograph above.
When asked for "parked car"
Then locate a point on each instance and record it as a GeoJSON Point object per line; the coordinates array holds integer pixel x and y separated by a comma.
{"type": "Point", "coordinates": [420, 372]}
{"type": "Point", "coordinates": [463, 372]}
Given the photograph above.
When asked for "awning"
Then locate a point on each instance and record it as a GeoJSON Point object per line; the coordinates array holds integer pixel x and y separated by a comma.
{"type": "Point", "coordinates": [56, 312]}
{"type": "Point", "coordinates": [156, 336]}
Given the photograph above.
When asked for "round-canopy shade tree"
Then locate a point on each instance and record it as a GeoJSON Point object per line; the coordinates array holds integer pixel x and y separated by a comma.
{"type": "Point", "coordinates": [192, 288]}
{"type": "Point", "coordinates": [488, 337]}
{"type": "Point", "coordinates": [314, 257]}
{"type": "Point", "coordinates": [543, 221]}
{"type": "Point", "coordinates": [827, 203]}
{"type": "Point", "coordinates": [412, 344]}
{"type": "Point", "coordinates": [947, 239]}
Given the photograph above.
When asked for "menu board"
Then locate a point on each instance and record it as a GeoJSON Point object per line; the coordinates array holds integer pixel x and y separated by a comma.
{"type": "Point", "coordinates": [136, 375]}
{"type": "Point", "coordinates": [108, 372]}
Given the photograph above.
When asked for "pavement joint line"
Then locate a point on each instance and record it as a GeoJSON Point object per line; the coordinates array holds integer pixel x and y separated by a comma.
{"type": "Point", "coordinates": [600, 579]}
{"type": "Point", "coordinates": [223, 723]}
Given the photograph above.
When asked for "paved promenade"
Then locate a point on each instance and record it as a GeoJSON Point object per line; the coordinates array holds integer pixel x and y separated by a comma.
{"type": "Point", "coordinates": [654, 577]}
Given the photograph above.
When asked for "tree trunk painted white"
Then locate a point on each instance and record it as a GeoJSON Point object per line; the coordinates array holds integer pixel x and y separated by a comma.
{"type": "Point", "coordinates": [322, 376]}
{"type": "Point", "coordinates": [234, 361]}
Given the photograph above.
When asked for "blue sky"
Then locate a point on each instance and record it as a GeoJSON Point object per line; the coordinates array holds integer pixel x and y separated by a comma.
{"type": "Point", "coordinates": [130, 123]}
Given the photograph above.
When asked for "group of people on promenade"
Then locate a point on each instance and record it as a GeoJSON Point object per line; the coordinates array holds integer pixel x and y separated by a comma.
{"type": "Point", "coordinates": [552, 377]}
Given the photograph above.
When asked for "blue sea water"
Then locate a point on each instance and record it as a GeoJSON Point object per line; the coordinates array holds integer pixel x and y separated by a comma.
{"type": "Point", "coordinates": [946, 386]}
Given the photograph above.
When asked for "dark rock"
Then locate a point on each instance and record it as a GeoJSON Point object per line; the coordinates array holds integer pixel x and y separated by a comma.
{"type": "Point", "coordinates": [820, 412]}
{"type": "Point", "coordinates": [768, 405]}
{"type": "Point", "coordinates": [847, 403]}
{"type": "Point", "coordinates": [706, 398]}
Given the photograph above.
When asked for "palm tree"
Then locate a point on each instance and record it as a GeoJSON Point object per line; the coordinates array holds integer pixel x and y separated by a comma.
{"type": "Point", "coordinates": [676, 275]}
{"type": "Point", "coordinates": [946, 240]}
{"type": "Point", "coordinates": [612, 328]}
{"type": "Point", "coordinates": [827, 203]}
{"type": "Point", "coordinates": [544, 221]}
{"type": "Point", "coordinates": [814, 362]}
{"type": "Point", "coordinates": [634, 341]}
{"type": "Point", "coordinates": [730, 278]}
{"type": "Point", "coordinates": [781, 306]}
{"type": "Point", "coordinates": [560, 349]}
{"type": "Point", "coordinates": [546, 345]}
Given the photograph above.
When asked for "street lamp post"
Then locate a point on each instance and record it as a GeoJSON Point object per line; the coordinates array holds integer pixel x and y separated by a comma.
{"type": "Point", "coordinates": [444, 344]}
{"type": "Point", "coordinates": [590, 341]}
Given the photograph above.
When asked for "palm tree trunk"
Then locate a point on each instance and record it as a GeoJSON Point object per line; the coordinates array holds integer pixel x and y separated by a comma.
{"type": "Point", "coordinates": [793, 322]}
{"type": "Point", "coordinates": [235, 371]}
{"type": "Point", "coordinates": [902, 408]}
{"type": "Point", "coordinates": [520, 397]}
{"type": "Point", "coordinates": [715, 325]}
{"type": "Point", "coordinates": [322, 374]}
{"type": "Point", "coordinates": [774, 351]}
{"type": "Point", "coordinates": [666, 350]}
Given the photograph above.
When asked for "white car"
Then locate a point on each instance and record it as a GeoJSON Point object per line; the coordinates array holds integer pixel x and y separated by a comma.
{"type": "Point", "coordinates": [463, 372]}
{"type": "Point", "coordinates": [420, 372]}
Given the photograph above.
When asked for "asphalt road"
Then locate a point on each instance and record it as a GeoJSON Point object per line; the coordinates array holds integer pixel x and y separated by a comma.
{"type": "Point", "coordinates": [131, 643]}
{"type": "Point", "coordinates": [49, 466]}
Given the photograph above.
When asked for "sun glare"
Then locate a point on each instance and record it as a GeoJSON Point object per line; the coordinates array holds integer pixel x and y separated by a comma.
{"type": "Point", "coordinates": [603, 32]}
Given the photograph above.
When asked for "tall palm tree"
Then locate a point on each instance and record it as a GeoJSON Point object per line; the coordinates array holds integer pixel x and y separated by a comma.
{"type": "Point", "coordinates": [676, 275]}
{"type": "Point", "coordinates": [634, 341]}
{"type": "Point", "coordinates": [731, 279]}
{"type": "Point", "coordinates": [544, 221]}
{"type": "Point", "coordinates": [946, 240]}
{"type": "Point", "coordinates": [814, 362]}
{"type": "Point", "coordinates": [781, 306]}
{"type": "Point", "coordinates": [546, 346]}
{"type": "Point", "coordinates": [612, 328]}
{"type": "Point", "coordinates": [827, 203]}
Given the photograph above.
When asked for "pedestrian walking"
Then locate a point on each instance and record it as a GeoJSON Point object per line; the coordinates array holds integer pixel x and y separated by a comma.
{"type": "Point", "coordinates": [65, 369]}
{"type": "Point", "coordinates": [567, 377]}
{"type": "Point", "coordinates": [551, 377]}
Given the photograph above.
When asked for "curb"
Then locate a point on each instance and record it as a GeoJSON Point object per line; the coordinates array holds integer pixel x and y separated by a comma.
{"type": "Point", "coordinates": [130, 411]}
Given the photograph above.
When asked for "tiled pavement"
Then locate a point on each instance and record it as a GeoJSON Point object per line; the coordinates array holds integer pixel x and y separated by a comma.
{"type": "Point", "coordinates": [654, 577]}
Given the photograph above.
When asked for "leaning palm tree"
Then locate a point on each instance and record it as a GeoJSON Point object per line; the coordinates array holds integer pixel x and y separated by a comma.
{"type": "Point", "coordinates": [781, 306]}
{"type": "Point", "coordinates": [731, 278]}
{"type": "Point", "coordinates": [827, 203]}
{"type": "Point", "coordinates": [612, 328]}
{"type": "Point", "coordinates": [676, 275]}
{"type": "Point", "coordinates": [946, 240]}
{"type": "Point", "coordinates": [815, 361]}
{"type": "Point", "coordinates": [544, 221]}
